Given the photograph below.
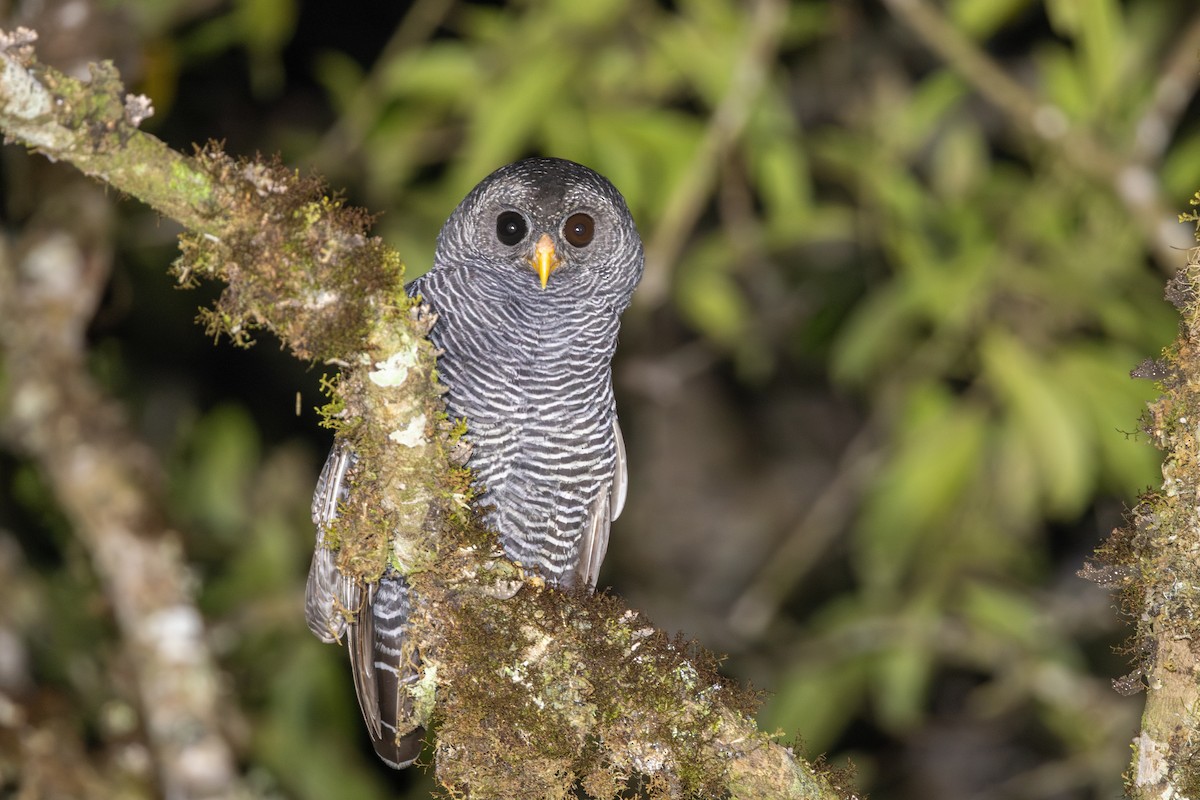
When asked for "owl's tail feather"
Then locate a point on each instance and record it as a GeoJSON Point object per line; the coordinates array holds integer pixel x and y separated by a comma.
{"type": "Point", "coordinates": [383, 671]}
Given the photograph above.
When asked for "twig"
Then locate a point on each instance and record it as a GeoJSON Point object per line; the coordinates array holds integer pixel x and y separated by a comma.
{"type": "Point", "coordinates": [1172, 92]}
{"type": "Point", "coordinates": [791, 560]}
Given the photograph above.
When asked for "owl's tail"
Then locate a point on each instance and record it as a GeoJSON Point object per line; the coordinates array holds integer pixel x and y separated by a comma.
{"type": "Point", "coordinates": [383, 671]}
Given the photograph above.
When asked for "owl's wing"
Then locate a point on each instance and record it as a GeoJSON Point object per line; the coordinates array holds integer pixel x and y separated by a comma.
{"type": "Point", "coordinates": [620, 485]}
{"type": "Point", "coordinates": [329, 598]}
{"type": "Point", "coordinates": [336, 606]}
{"type": "Point", "coordinates": [606, 508]}
{"type": "Point", "coordinates": [360, 643]}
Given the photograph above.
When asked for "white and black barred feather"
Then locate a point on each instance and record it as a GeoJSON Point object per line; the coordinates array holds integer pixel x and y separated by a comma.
{"type": "Point", "coordinates": [372, 620]}
{"type": "Point", "coordinates": [530, 369]}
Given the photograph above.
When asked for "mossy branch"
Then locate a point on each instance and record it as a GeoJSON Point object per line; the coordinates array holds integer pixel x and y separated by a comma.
{"type": "Point", "coordinates": [1154, 563]}
{"type": "Point", "coordinates": [532, 695]}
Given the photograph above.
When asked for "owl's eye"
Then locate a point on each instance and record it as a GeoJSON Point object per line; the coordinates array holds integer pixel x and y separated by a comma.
{"type": "Point", "coordinates": [579, 229]}
{"type": "Point", "coordinates": [510, 228]}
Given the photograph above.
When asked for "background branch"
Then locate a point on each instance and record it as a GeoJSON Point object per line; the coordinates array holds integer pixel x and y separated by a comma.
{"type": "Point", "coordinates": [110, 485]}
{"type": "Point", "coordinates": [1173, 90]}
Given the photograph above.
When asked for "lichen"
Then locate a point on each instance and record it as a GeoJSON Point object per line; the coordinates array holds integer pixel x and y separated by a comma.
{"type": "Point", "coordinates": [587, 692]}
{"type": "Point", "coordinates": [393, 371]}
{"type": "Point", "coordinates": [1152, 561]}
{"type": "Point", "coordinates": [307, 270]}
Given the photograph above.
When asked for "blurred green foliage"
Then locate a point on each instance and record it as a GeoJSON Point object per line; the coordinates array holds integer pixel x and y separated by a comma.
{"type": "Point", "coordinates": [827, 204]}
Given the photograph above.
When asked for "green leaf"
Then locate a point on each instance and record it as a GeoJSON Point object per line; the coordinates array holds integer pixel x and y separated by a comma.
{"type": "Point", "coordinates": [444, 74]}
{"type": "Point", "coordinates": [1104, 47]}
{"type": "Point", "coordinates": [213, 487]}
{"type": "Point", "coordinates": [708, 297]}
{"type": "Point", "coordinates": [902, 670]}
{"type": "Point", "coordinates": [266, 25]}
{"type": "Point", "coordinates": [1048, 413]}
{"type": "Point", "coordinates": [780, 168]}
{"type": "Point", "coordinates": [340, 76]}
{"type": "Point", "coordinates": [938, 453]}
{"type": "Point", "coordinates": [982, 18]}
{"type": "Point", "coordinates": [816, 701]}
{"type": "Point", "coordinates": [960, 163]}
{"type": "Point", "coordinates": [879, 331]}
{"type": "Point", "coordinates": [1113, 401]}
{"type": "Point", "coordinates": [1065, 82]}
{"type": "Point", "coordinates": [1180, 168]}
{"type": "Point", "coordinates": [1096, 26]}
{"type": "Point", "coordinates": [906, 126]}
{"type": "Point", "coordinates": [1013, 618]}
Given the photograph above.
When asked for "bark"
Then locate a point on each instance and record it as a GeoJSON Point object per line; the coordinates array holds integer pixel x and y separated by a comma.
{"type": "Point", "coordinates": [1152, 563]}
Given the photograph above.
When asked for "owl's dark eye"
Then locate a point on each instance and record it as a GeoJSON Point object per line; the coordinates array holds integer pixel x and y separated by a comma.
{"type": "Point", "coordinates": [510, 228]}
{"type": "Point", "coordinates": [579, 229]}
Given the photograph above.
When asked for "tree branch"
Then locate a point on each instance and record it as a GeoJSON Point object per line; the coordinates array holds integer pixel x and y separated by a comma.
{"type": "Point", "coordinates": [1176, 84]}
{"type": "Point", "coordinates": [109, 485]}
{"type": "Point", "coordinates": [532, 694]}
{"type": "Point", "coordinates": [1152, 563]}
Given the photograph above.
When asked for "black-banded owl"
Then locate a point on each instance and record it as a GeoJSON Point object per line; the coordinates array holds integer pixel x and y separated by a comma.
{"type": "Point", "coordinates": [531, 274]}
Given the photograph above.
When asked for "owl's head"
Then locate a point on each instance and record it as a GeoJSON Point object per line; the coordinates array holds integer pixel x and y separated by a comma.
{"type": "Point", "coordinates": [546, 225]}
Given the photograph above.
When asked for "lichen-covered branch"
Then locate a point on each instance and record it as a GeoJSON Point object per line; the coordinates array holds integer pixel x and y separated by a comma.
{"type": "Point", "coordinates": [1154, 563]}
{"type": "Point", "coordinates": [109, 486]}
{"type": "Point", "coordinates": [532, 695]}
{"type": "Point", "coordinates": [588, 690]}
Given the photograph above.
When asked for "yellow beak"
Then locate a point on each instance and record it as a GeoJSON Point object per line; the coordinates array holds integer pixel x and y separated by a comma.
{"type": "Point", "coordinates": [544, 260]}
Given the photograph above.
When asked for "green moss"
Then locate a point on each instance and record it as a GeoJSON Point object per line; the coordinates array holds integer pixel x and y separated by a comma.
{"type": "Point", "coordinates": [190, 185]}
{"type": "Point", "coordinates": [519, 669]}
{"type": "Point", "coordinates": [306, 268]}
{"type": "Point", "coordinates": [1146, 558]}
{"type": "Point", "coordinates": [331, 414]}
{"type": "Point", "coordinates": [457, 430]}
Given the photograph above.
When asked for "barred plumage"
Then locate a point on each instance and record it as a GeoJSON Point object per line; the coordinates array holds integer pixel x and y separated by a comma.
{"type": "Point", "coordinates": [527, 360]}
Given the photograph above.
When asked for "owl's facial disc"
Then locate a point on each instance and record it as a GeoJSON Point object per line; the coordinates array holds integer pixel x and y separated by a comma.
{"type": "Point", "coordinates": [544, 260]}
